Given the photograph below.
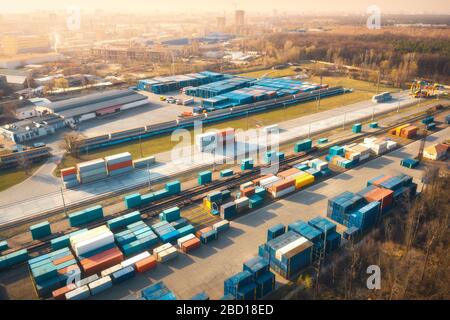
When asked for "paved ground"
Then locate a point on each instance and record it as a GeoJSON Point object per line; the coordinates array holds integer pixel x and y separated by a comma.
{"type": "Point", "coordinates": [42, 192]}
{"type": "Point", "coordinates": [155, 112]}
{"type": "Point", "coordinates": [207, 267]}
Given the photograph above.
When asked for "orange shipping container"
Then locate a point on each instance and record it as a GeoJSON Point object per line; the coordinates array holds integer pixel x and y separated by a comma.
{"type": "Point", "coordinates": [146, 264]}
{"type": "Point", "coordinates": [409, 132]}
{"type": "Point", "coordinates": [385, 196]}
{"type": "Point", "coordinates": [68, 171]}
{"type": "Point", "coordinates": [248, 192]}
{"type": "Point", "coordinates": [190, 245]}
{"type": "Point", "coordinates": [102, 261]}
{"type": "Point", "coordinates": [281, 185]}
{"type": "Point", "coordinates": [63, 259]}
{"type": "Point", "coordinates": [60, 294]}
{"type": "Point", "coordinates": [288, 173]}
{"type": "Point", "coordinates": [120, 165]}
{"type": "Point", "coordinates": [256, 181]}
{"type": "Point", "coordinates": [200, 232]}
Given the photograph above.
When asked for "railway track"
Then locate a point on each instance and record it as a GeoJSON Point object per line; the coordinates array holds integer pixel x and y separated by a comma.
{"type": "Point", "coordinates": [196, 194]}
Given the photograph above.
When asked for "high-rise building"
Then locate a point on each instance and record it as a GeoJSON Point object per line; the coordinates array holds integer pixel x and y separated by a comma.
{"type": "Point", "coordinates": [12, 45]}
{"type": "Point", "coordinates": [221, 24]}
{"type": "Point", "coordinates": [239, 21]}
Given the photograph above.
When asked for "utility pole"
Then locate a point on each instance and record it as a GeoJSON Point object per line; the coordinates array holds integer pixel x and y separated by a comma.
{"type": "Point", "coordinates": [378, 81]}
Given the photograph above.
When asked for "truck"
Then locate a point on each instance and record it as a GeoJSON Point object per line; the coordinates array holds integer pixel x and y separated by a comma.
{"type": "Point", "coordinates": [188, 101]}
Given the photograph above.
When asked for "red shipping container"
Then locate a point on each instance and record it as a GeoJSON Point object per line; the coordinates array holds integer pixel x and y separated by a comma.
{"type": "Point", "coordinates": [68, 171]}
{"type": "Point", "coordinates": [120, 165]}
{"type": "Point", "coordinates": [60, 294]}
{"type": "Point", "coordinates": [385, 196]}
{"type": "Point", "coordinates": [190, 245]}
{"type": "Point", "coordinates": [146, 264]}
{"type": "Point", "coordinates": [63, 259]}
{"type": "Point", "coordinates": [282, 185]}
{"type": "Point", "coordinates": [248, 192]}
{"type": "Point", "coordinates": [102, 261]}
{"type": "Point", "coordinates": [200, 232]}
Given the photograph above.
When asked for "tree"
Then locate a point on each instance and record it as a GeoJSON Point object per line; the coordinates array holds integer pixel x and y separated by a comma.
{"type": "Point", "coordinates": [70, 143]}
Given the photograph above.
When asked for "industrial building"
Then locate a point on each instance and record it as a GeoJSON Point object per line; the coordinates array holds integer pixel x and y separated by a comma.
{"type": "Point", "coordinates": [33, 128]}
{"type": "Point", "coordinates": [12, 45]}
{"type": "Point", "coordinates": [94, 105]}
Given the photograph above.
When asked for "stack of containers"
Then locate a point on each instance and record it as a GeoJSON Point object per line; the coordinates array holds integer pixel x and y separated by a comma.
{"type": "Point", "coordinates": [365, 217]}
{"type": "Point", "coordinates": [374, 194]}
{"type": "Point", "coordinates": [206, 235]}
{"type": "Point", "coordinates": [119, 163]}
{"type": "Point", "coordinates": [343, 204]}
{"type": "Point", "coordinates": [262, 277]}
{"type": "Point", "coordinates": [157, 291]}
{"type": "Point", "coordinates": [409, 163]}
{"type": "Point", "coordinates": [170, 215]}
{"type": "Point", "coordinates": [312, 234]}
{"type": "Point", "coordinates": [275, 231]}
{"type": "Point", "coordinates": [247, 164]}
{"type": "Point", "coordinates": [409, 132]}
{"type": "Point", "coordinates": [267, 183]}
{"type": "Point", "coordinates": [303, 145]}
{"type": "Point", "coordinates": [228, 210]}
{"type": "Point", "coordinates": [146, 264]}
{"type": "Point", "coordinates": [52, 270]}
{"type": "Point", "coordinates": [288, 253]}
{"type": "Point", "coordinates": [13, 258]}
{"type": "Point", "coordinates": [255, 201]}
{"type": "Point", "coordinates": [356, 149]}
{"type": "Point", "coordinates": [204, 177]}
{"type": "Point", "coordinates": [64, 241]}
{"type": "Point", "coordinates": [377, 146]}
{"type": "Point", "coordinates": [213, 197]}
{"type": "Point", "coordinates": [124, 220]}
{"type": "Point", "coordinates": [240, 286]}
{"type": "Point", "coordinates": [72, 291]}
{"type": "Point", "coordinates": [123, 274]}
{"type": "Point", "coordinates": [165, 252]}
{"type": "Point", "coordinates": [281, 188]}
{"type": "Point", "coordinates": [165, 231]}
{"type": "Point", "coordinates": [40, 230]}
{"type": "Point", "coordinates": [69, 177]}
{"type": "Point", "coordinates": [222, 225]}
{"type": "Point", "coordinates": [137, 237]}
{"type": "Point", "coordinates": [91, 171]}
{"type": "Point", "coordinates": [100, 285]}
{"type": "Point", "coordinates": [179, 223]}
{"type": "Point", "coordinates": [188, 243]}
{"type": "Point", "coordinates": [96, 249]}
{"type": "Point", "coordinates": [241, 204]}
{"type": "Point", "coordinates": [85, 216]}
{"type": "Point", "coordinates": [328, 229]}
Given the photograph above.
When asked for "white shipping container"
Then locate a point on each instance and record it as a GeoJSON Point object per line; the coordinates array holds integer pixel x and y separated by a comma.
{"type": "Point", "coordinates": [142, 163]}
{"type": "Point", "coordinates": [241, 202]}
{"type": "Point", "coordinates": [91, 244]}
{"type": "Point", "coordinates": [364, 157]}
{"type": "Point", "coordinates": [94, 172]}
{"type": "Point", "coordinates": [268, 182]}
{"type": "Point", "coordinates": [88, 234]}
{"type": "Point", "coordinates": [159, 249]}
{"type": "Point", "coordinates": [282, 192]}
{"type": "Point", "coordinates": [91, 165]}
{"type": "Point", "coordinates": [87, 116]}
{"type": "Point", "coordinates": [133, 260]}
{"type": "Point", "coordinates": [100, 285]}
{"type": "Point", "coordinates": [294, 244]}
{"type": "Point", "coordinates": [185, 238]}
{"type": "Point", "coordinates": [118, 158]}
{"type": "Point", "coordinates": [391, 145]}
{"type": "Point", "coordinates": [167, 254]}
{"type": "Point", "coordinates": [246, 185]}
{"type": "Point", "coordinates": [219, 224]}
{"type": "Point", "coordinates": [78, 294]}
{"type": "Point", "coordinates": [111, 270]}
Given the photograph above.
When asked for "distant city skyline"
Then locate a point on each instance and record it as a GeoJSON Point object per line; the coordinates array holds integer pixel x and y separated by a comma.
{"type": "Point", "coordinates": [293, 6]}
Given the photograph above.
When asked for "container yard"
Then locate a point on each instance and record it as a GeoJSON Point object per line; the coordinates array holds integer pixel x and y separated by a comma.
{"type": "Point", "coordinates": [111, 251]}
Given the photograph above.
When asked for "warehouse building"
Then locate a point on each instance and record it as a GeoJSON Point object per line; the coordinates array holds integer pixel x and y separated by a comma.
{"type": "Point", "coordinates": [33, 128]}
{"type": "Point", "coordinates": [94, 105]}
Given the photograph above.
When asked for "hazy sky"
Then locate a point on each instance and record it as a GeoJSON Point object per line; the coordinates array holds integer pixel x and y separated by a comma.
{"type": "Point", "coordinates": [294, 6]}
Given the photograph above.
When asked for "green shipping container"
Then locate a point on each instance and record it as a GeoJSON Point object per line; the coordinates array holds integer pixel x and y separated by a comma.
{"type": "Point", "coordinates": [40, 230]}
{"type": "Point", "coordinates": [132, 201]}
{"type": "Point", "coordinates": [204, 177]}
